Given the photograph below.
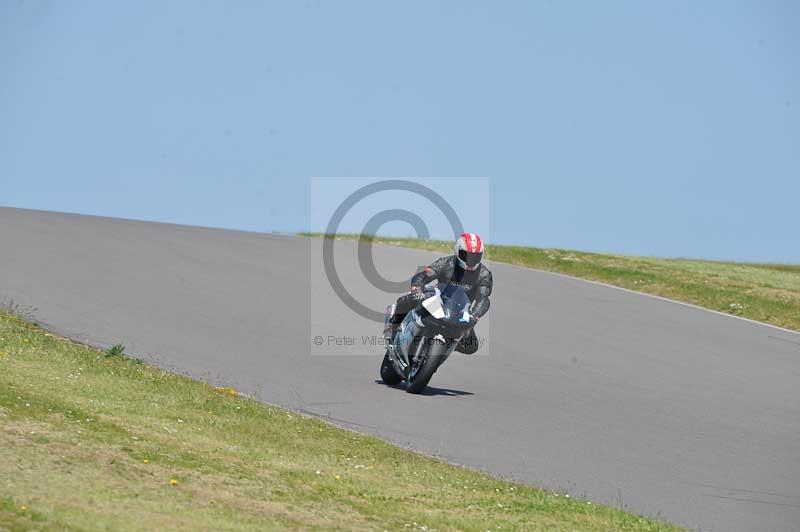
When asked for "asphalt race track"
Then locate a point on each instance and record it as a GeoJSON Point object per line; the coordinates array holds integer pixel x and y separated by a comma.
{"type": "Point", "coordinates": [625, 399]}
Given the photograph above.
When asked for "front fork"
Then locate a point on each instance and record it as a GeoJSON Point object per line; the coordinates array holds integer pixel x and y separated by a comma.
{"type": "Point", "coordinates": [406, 346]}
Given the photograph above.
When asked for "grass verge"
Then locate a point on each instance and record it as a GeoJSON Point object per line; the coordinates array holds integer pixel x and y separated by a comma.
{"type": "Point", "coordinates": [769, 293]}
{"type": "Point", "coordinates": [94, 440]}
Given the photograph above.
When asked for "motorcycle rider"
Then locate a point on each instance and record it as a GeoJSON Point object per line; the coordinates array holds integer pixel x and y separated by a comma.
{"type": "Point", "coordinates": [464, 268]}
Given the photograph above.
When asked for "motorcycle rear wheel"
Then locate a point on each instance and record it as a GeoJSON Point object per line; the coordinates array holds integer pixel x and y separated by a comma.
{"type": "Point", "coordinates": [388, 373]}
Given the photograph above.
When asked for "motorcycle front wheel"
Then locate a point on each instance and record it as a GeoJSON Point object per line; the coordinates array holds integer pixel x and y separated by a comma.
{"type": "Point", "coordinates": [419, 377]}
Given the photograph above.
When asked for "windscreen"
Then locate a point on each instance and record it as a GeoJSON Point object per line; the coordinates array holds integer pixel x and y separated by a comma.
{"type": "Point", "coordinates": [454, 302]}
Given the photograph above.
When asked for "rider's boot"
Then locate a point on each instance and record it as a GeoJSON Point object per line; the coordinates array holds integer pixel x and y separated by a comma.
{"type": "Point", "coordinates": [469, 344]}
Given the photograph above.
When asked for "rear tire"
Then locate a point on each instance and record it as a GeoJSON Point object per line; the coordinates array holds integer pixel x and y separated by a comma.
{"type": "Point", "coordinates": [423, 376]}
{"type": "Point", "coordinates": [388, 373]}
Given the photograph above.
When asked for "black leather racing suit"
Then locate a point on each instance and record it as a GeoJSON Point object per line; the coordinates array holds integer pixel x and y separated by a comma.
{"type": "Point", "coordinates": [477, 283]}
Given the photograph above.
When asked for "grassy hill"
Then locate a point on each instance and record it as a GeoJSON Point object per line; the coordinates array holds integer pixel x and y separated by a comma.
{"type": "Point", "coordinates": [94, 440]}
{"type": "Point", "coordinates": [769, 293]}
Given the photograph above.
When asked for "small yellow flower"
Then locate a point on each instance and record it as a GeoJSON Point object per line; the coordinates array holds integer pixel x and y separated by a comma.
{"type": "Point", "coordinates": [173, 482]}
{"type": "Point", "coordinates": [26, 340]}
{"type": "Point", "coordinates": [146, 461]}
{"type": "Point", "coordinates": [227, 391]}
{"type": "Point", "coordinates": [23, 507]}
{"type": "Point", "coordinates": [337, 477]}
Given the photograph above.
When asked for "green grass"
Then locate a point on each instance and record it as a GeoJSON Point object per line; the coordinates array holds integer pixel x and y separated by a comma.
{"type": "Point", "coordinates": [90, 441]}
{"type": "Point", "coordinates": [769, 293]}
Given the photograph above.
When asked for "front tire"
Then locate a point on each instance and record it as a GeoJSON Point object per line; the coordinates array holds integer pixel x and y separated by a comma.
{"type": "Point", "coordinates": [388, 373]}
{"type": "Point", "coordinates": [417, 382]}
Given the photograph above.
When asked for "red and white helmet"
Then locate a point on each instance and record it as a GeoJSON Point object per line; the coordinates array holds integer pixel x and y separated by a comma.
{"type": "Point", "coordinates": [469, 251]}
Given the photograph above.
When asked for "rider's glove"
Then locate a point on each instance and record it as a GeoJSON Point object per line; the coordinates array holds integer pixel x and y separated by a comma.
{"type": "Point", "coordinates": [473, 320]}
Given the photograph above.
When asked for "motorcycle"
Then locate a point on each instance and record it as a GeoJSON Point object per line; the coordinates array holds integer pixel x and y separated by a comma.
{"type": "Point", "coordinates": [426, 337]}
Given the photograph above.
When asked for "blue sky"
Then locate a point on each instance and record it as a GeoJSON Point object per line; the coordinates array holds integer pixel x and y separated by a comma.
{"type": "Point", "coordinates": [662, 129]}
